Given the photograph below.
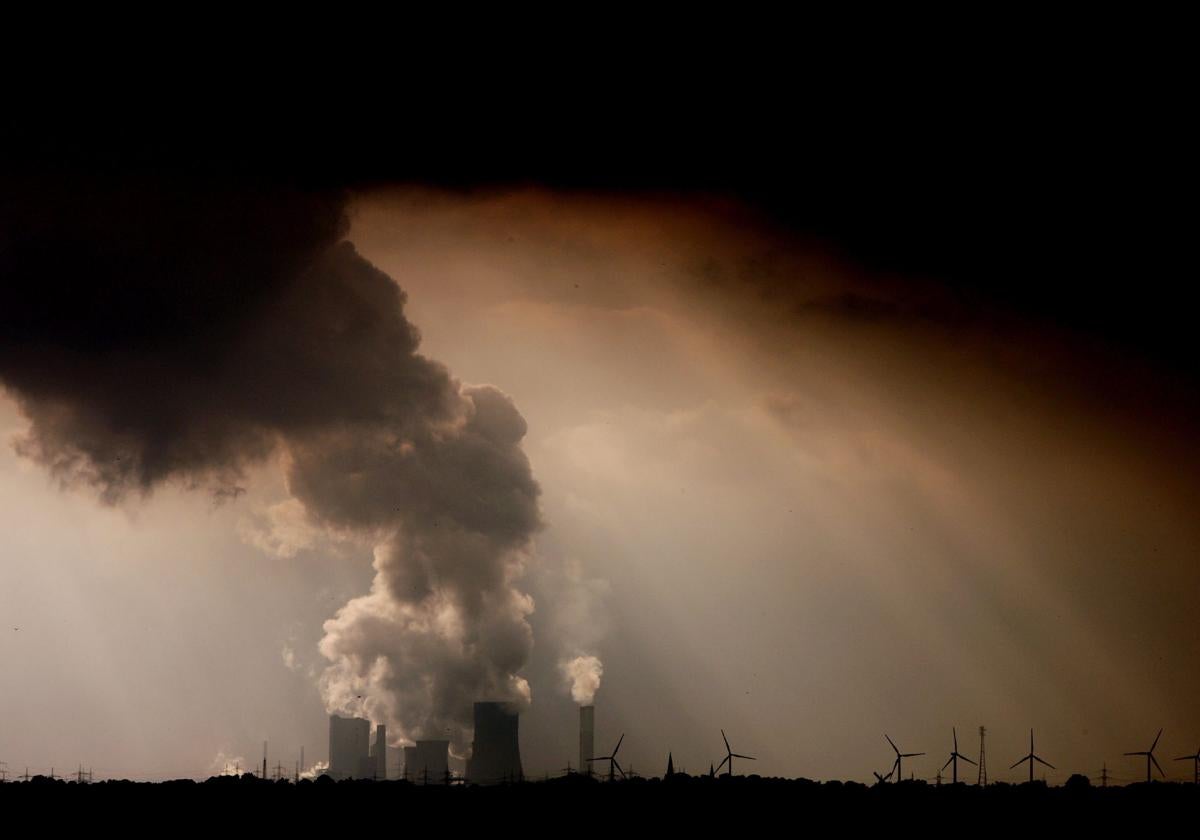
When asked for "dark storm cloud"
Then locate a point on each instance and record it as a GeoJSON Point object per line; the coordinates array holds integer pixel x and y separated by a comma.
{"type": "Point", "coordinates": [179, 329]}
{"type": "Point", "coordinates": [129, 314]}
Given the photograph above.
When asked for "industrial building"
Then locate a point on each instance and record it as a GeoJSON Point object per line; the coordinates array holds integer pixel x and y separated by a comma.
{"type": "Point", "coordinates": [351, 753]}
{"type": "Point", "coordinates": [496, 751]}
{"type": "Point", "coordinates": [349, 747]}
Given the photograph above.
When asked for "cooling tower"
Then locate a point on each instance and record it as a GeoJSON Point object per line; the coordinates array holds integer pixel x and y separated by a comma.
{"type": "Point", "coordinates": [495, 753]}
{"type": "Point", "coordinates": [587, 733]}
{"type": "Point", "coordinates": [349, 746]}
{"type": "Point", "coordinates": [430, 762]}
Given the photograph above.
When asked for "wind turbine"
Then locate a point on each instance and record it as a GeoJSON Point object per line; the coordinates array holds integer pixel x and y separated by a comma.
{"type": "Point", "coordinates": [1032, 758]}
{"type": "Point", "coordinates": [612, 759]}
{"type": "Point", "coordinates": [899, 757]}
{"type": "Point", "coordinates": [1195, 759]}
{"type": "Point", "coordinates": [1150, 757]}
{"type": "Point", "coordinates": [955, 756]}
{"type": "Point", "coordinates": [883, 779]}
{"type": "Point", "coordinates": [730, 756]}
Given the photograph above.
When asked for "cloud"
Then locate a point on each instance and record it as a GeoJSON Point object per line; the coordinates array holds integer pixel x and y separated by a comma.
{"type": "Point", "coordinates": [180, 331]}
{"type": "Point", "coordinates": [281, 530]}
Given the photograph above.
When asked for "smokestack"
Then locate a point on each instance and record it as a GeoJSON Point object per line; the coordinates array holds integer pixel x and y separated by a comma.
{"type": "Point", "coordinates": [587, 732]}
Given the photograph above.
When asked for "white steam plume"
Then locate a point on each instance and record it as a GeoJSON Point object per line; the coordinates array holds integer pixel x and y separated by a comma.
{"type": "Point", "coordinates": [583, 674]}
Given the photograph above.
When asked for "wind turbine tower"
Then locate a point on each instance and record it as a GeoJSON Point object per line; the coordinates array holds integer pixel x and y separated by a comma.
{"type": "Point", "coordinates": [1032, 758]}
{"type": "Point", "coordinates": [899, 759]}
{"type": "Point", "coordinates": [611, 759]}
{"type": "Point", "coordinates": [954, 757]}
{"type": "Point", "coordinates": [1150, 757]}
{"type": "Point", "coordinates": [730, 755]}
{"type": "Point", "coordinates": [1195, 759]}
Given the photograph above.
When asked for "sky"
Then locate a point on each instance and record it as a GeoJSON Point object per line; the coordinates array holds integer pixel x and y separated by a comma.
{"type": "Point", "coordinates": [778, 483]}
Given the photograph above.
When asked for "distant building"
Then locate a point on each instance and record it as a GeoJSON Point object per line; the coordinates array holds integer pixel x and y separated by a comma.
{"type": "Point", "coordinates": [496, 751]}
{"type": "Point", "coordinates": [349, 747]}
{"type": "Point", "coordinates": [410, 762]}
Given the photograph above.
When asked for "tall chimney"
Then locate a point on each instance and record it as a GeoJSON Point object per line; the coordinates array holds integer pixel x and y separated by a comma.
{"type": "Point", "coordinates": [587, 732]}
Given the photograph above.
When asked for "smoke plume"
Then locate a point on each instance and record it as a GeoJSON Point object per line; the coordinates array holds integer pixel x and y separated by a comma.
{"type": "Point", "coordinates": [583, 673]}
{"type": "Point", "coordinates": [182, 330]}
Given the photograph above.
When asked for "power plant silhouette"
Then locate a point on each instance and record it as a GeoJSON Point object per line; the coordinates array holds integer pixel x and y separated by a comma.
{"type": "Point", "coordinates": [495, 753]}
{"type": "Point", "coordinates": [496, 759]}
{"type": "Point", "coordinates": [359, 751]}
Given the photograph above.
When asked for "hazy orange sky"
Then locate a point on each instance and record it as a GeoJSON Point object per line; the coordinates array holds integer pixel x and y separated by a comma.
{"type": "Point", "coordinates": [784, 494]}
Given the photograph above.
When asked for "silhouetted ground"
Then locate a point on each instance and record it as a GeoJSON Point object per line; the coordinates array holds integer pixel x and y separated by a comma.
{"type": "Point", "coordinates": [574, 805]}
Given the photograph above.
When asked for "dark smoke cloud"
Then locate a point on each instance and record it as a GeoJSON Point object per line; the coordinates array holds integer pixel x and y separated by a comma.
{"type": "Point", "coordinates": [180, 330]}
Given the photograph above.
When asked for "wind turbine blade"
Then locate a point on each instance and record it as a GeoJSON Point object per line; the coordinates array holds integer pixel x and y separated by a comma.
{"type": "Point", "coordinates": [911, 755]}
{"type": "Point", "coordinates": [1156, 737]}
{"type": "Point", "coordinates": [617, 764]}
{"type": "Point", "coordinates": [726, 740]}
{"type": "Point", "coordinates": [1160, 770]}
{"type": "Point", "coordinates": [1187, 758]}
{"type": "Point", "coordinates": [1019, 763]}
{"type": "Point", "coordinates": [955, 731]}
{"type": "Point", "coordinates": [1047, 763]}
{"type": "Point", "coordinates": [969, 761]}
{"type": "Point", "coordinates": [619, 740]}
{"type": "Point", "coordinates": [1137, 753]}
{"type": "Point", "coordinates": [948, 760]}
{"type": "Point", "coordinates": [722, 764]}
{"type": "Point", "coordinates": [893, 743]}
{"type": "Point", "coordinates": [749, 757]}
